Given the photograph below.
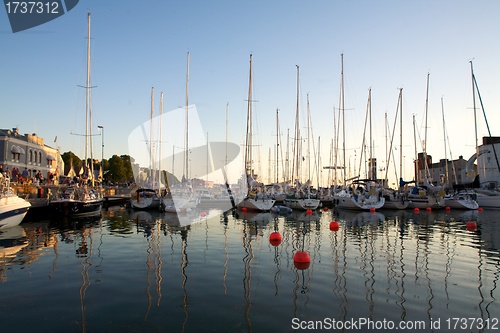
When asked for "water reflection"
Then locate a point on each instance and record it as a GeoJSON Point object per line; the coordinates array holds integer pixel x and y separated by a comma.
{"type": "Point", "coordinates": [12, 240]}
{"type": "Point", "coordinates": [224, 272]}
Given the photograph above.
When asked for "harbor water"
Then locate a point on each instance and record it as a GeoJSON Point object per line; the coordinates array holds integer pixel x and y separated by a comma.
{"type": "Point", "coordinates": [138, 271]}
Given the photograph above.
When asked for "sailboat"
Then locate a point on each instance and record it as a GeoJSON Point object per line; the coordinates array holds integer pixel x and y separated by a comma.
{"type": "Point", "coordinates": [256, 198]}
{"type": "Point", "coordinates": [82, 199]}
{"type": "Point", "coordinates": [301, 197]}
{"type": "Point", "coordinates": [183, 198]}
{"type": "Point", "coordinates": [424, 194]}
{"type": "Point", "coordinates": [396, 199]}
{"type": "Point", "coordinates": [361, 194]}
{"type": "Point", "coordinates": [146, 198]}
{"type": "Point", "coordinates": [487, 178]}
{"type": "Point", "coordinates": [461, 199]}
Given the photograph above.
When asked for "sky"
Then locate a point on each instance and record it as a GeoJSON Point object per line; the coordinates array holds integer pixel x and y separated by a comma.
{"type": "Point", "coordinates": [386, 45]}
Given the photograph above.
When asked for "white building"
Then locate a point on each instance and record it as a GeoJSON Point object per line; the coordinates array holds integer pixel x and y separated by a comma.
{"type": "Point", "coordinates": [28, 151]}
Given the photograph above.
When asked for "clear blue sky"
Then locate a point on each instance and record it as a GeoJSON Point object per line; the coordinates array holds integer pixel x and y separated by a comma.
{"type": "Point", "coordinates": [138, 45]}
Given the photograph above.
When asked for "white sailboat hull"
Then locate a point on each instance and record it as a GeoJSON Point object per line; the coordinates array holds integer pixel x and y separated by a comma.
{"type": "Point", "coordinates": [302, 204]}
{"type": "Point", "coordinates": [488, 201]}
{"type": "Point", "coordinates": [177, 205]}
{"type": "Point", "coordinates": [257, 204]}
{"type": "Point", "coordinates": [462, 200]}
{"type": "Point", "coordinates": [145, 199]}
{"type": "Point", "coordinates": [461, 204]}
{"type": "Point", "coordinates": [145, 203]}
{"type": "Point", "coordinates": [395, 204]}
{"type": "Point", "coordinates": [425, 201]}
{"type": "Point", "coordinates": [352, 202]}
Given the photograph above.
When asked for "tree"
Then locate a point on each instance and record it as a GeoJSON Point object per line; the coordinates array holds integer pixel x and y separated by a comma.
{"type": "Point", "coordinates": [70, 158]}
{"type": "Point", "coordinates": [116, 169]}
{"type": "Point", "coordinates": [127, 165]}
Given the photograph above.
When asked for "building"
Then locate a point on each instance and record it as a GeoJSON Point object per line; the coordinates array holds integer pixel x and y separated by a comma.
{"type": "Point", "coordinates": [454, 169]}
{"type": "Point", "coordinates": [487, 168]}
{"type": "Point", "coordinates": [28, 151]}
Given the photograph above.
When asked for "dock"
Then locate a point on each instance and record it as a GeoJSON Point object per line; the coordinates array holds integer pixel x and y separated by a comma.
{"type": "Point", "coordinates": [38, 195]}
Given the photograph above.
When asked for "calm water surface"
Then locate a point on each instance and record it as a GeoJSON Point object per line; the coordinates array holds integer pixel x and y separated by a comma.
{"type": "Point", "coordinates": [142, 272]}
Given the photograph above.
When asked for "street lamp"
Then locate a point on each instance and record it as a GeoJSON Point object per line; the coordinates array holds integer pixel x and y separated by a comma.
{"type": "Point", "coordinates": [102, 151]}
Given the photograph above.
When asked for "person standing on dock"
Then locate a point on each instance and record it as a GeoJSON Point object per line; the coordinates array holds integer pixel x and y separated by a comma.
{"type": "Point", "coordinates": [15, 174]}
{"type": "Point", "coordinates": [25, 174]}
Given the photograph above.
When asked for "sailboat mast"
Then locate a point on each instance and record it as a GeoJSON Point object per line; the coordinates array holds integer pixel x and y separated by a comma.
{"type": "Point", "coordinates": [363, 142]}
{"type": "Point", "coordinates": [343, 113]}
{"type": "Point", "coordinates": [287, 155]}
{"type": "Point", "coordinates": [474, 106]}
{"type": "Point", "coordinates": [186, 125]}
{"type": "Point", "coordinates": [444, 140]}
{"type": "Point", "coordinates": [151, 175]}
{"type": "Point", "coordinates": [248, 139]}
{"type": "Point", "coordinates": [87, 95]}
{"type": "Point", "coordinates": [400, 133]}
{"type": "Point", "coordinates": [295, 165]}
{"type": "Point", "coordinates": [373, 169]}
{"type": "Point", "coordinates": [160, 143]}
{"type": "Point", "coordinates": [425, 130]}
{"type": "Point", "coordinates": [277, 144]}
{"type": "Point", "coordinates": [416, 157]}
{"type": "Point", "coordinates": [227, 125]}
{"type": "Point", "coordinates": [308, 140]}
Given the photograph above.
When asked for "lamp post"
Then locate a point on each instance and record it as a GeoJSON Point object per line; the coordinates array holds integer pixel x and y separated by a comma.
{"type": "Point", "coordinates": [102, 151]}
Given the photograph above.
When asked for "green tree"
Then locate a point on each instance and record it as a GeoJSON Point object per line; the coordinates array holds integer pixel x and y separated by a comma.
{"type": "Point", "coordinates": [70, 158]}
{"type": "Point", "coordinates": [127, 165]}
{"type": "Point", "coordinates": [116, 171]}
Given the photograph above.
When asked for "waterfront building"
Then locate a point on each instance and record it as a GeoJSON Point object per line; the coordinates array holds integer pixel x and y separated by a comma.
{"type": "Point", "coordinates": [436, 174]}
{"type": "Point", "coordinates": [487, 159]}
{"type": "Point", "coordinates": [28, 151]}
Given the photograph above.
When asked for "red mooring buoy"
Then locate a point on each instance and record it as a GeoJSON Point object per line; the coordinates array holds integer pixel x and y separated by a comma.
{"type": "Point", "coordinates": [244, 209]}
{"type": "Point", "coordinates": [309, 212]}
{"type": "Point", "coordinates": [429, 209]}
{"type": "Point", "coordinates": [275, 238]}
{"type": "Point", "coordinates": [325, 209]}
{"type": "Point", "coordinates": [334, 226]}
{"type": "Point", "coordinates": [372, 209]}
{"type": "Point", "coordinates": [471, 226]}
{"type": "Point", "coordinates": [301, 260]}
{"type": "Point", "coordinates": [416, 210]}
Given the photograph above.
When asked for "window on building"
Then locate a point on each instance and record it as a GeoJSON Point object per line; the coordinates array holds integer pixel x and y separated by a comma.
{"type": "Point", "coordinates": [16, 156]}
{"type": "Point", "coordinates": [16, 153]}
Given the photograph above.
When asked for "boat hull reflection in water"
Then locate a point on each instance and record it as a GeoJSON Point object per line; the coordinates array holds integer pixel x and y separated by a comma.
{"type": "Point", "coordinates": [144, 271]}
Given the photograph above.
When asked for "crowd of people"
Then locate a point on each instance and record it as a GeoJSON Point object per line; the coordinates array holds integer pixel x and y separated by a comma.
{"type": "Point", "coordinates": [26, 176]}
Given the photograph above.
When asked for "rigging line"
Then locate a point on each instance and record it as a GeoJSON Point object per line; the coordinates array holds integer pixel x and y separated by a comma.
{"type": "Point", "coordinates": [486, 120]}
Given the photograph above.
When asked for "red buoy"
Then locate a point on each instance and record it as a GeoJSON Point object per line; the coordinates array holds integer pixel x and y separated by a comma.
{"type": "Point", "coordinates": [372, 209]}
{"type": "Point", "coordinates": [416, 210]}
{"type": "Point", "coordinates": [203, 214]}
{"type": "Point", "coordinates": [480, 209]}
{"type": "Point", "coordinates": [429, 209]}
{"type": "Point", "coordinates": [471, 226]}
{"type": "Point", "coordinates": [301, 260]}
{"type": "Point", "coordinates": [325, 209]}
{"type": "Point", "coordinates": [244, 209]}
{"type": "Point", "coordinates": [334, 226]}
{"type": "Point", "coordinates": [309, 212]}
{"type": "Point", "coordinates": [447, 208]}
{"type": "Point", "coordinates": [275, 238]}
